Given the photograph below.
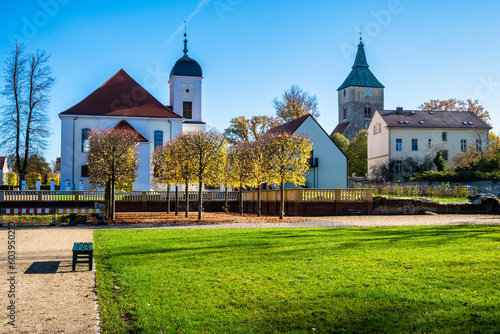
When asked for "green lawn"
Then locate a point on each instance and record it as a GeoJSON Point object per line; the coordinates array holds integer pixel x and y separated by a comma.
{"type": "Point", "coordinates": [342, 280]}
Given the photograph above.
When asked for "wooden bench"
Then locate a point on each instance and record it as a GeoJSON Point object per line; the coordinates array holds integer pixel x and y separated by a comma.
{"type": "Point", "coordinates": [83, 250]}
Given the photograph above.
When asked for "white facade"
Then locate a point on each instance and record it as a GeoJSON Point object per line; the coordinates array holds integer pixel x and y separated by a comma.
{"type": "Point", "coordinates": [4, 169]}
{"type": "Point", "coordinates": [331, 171]}
{"type": "Point", "coordinates": [73, 155]}
{"type": "Point", "coordinates": [388, 143]}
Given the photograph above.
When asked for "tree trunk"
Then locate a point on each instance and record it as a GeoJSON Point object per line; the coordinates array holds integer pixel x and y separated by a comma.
{"type": "Point", "coordinates": [112, 200]}
{"type": "Point", "coordinates": [226, 202]}
{"type": "Point", "coordinates": [176, 199]}
{"type": "Point", "coordinates": [168, 198]}
{"type": "Point", "coordinates": [187, 199]}
{"type": "Point", "coordinates": [241, 200]}
{"type": "Point", "coordinates": [107, 200]}
{"type": "Point", "coordinates": [200, 200]}
{"type": "Point", "coordinates": [259, 206]}
{"type": "Point", "coordinates": [282, 205]}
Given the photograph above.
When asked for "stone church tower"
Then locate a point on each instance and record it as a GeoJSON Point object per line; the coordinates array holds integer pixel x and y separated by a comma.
{"type": "Point", "coordinates": [360, 96]}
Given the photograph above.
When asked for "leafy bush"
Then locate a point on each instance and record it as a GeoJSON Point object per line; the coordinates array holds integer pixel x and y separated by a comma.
{"type": "Point", "coordinates": [11, 179]}
{"type": "Point", "coordinates": [32, 177]}
{"type": "Point", "coordinates": [54, 176]}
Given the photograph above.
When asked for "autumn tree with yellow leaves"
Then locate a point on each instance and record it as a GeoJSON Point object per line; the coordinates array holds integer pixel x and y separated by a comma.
{"type": "Point", "coordinates": [288, 160]}
{"type": "Point", "coordinates": [112, 162]}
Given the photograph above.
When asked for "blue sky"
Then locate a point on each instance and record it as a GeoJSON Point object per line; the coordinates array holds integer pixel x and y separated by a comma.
{"type": "Point", "coordinates": [251, 51]}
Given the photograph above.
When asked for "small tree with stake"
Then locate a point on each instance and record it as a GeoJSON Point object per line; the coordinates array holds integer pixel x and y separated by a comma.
{"type": "Point", "coordinates": [112, 163]}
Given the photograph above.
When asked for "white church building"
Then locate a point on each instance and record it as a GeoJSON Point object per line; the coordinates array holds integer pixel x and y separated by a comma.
{"type": "Point", "coordinates": [122, 102]}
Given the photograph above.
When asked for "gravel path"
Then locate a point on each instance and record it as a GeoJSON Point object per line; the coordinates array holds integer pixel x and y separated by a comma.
{"type": "Point", "coordinates": [50, 298]}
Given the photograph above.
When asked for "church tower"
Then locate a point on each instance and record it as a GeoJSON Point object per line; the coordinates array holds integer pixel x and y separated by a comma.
{"type": "Point", "coordinates": [185, 91]}
{"type": "Point", "coordinates": [359, 97]}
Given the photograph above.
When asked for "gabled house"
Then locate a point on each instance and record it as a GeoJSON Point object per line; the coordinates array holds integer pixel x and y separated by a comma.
{"type": "Point", "coordinates": [328, 164]}
{"type": "Point", "coordinates": [396, 137]}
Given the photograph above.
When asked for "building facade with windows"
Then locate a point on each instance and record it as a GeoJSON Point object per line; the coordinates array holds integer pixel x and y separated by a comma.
{"type": "Point", "coordinates": [398, 136]}
{"type": "Point", "coordinates": [122, 103]}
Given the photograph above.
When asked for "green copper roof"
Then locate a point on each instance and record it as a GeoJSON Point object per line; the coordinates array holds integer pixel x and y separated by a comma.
{"type": "Point", "coordinates": [361, 75]}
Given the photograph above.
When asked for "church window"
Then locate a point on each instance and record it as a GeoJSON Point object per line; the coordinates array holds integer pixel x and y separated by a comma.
{"type": "Point", "coordinates": [368, 112]}
{"type": "Point", "coordinates": [344, 92]}
{"type": "Point", "coordinates": [85, 171]}
{"type": "Point", "coordinates": [85, 140]}
{"type": "Point", "coordinates": [158, 139]}
{"type": "Point", "coordinates": [344, 115]}
{"type": "Point", "coordinates": [187, 109]}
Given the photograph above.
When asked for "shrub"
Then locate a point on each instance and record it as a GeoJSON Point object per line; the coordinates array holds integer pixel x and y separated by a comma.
{"type": "Point", "coordinates": [54, 176]}
{"type": "Point", "coordinates": [32, 177]}
{"type": "Point", "coordinates": [11, 179]}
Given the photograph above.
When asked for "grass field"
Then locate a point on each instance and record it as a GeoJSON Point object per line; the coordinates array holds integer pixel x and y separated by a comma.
{"type": "Point", "coordinates": [344, 280]}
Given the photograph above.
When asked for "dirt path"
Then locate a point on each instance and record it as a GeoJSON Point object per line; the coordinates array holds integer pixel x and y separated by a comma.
{"type": "Point", "coordinates": [50, 298]}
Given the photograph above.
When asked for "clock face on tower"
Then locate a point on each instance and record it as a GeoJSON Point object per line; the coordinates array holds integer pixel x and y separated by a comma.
{"type": "Point", "coordinates": [368, 91]}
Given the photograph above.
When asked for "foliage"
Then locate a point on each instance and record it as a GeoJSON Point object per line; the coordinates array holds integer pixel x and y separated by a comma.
{"type": "Point", "coordinates": [243, 129]}
{"type": "Point", "coordinates": [31, 178]}
{"type": "Point", "coordinates": [493, 141]}
{"type": "Point", "coordinates": [206, 152]}
{"type": "Point", "coordinates": [112, 161]}
{"type": "Point", "coordinates": [457, 105]}
{"type": "Point", "coordinates": [295, 103]}
{"type": "Point", "coordinates": [36, 164]}
{"type": "Point", "coordinates": [439, 161]}
{"type": "Point", "coordinates": [54, 177]}
{"type": "Point", "coordinates": [166, 165]}
{"type": "Point", "coordinates": [11, 179]}
{"type": "Point", "coordinates": [357, 153]}
{"type": "Point", "coordinates": [239, 166]}
{"type": "Point", "coordinates": [288, 160]}
{"type": "Point", "coordinates": [416, 279]}
{"type": "Point", "coordinates": [259, 172]}
{"type": "Point", "coordinates": [341, 141]}
{"type": "Point", "coordinates": [25, 123]}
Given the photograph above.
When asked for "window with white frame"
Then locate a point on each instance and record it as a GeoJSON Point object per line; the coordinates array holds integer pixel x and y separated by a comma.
{"type": "Point", "coordinates": [414, 144]}
{"type": "Point", "coordinates": [478, 145]}
{"type": "Point", "coordinates": [399, 144]}
{"type": "Point", "coordinates": [463, 145]}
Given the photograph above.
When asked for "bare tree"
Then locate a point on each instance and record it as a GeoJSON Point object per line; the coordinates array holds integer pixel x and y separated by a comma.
{"type": "Point", "coordinates": [295, 103]}
{"type": "Point", "coordinates": [25, 123]}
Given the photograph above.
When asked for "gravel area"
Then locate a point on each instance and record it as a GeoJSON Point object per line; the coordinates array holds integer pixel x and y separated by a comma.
{"type": "Point", "coordinates": [50, 298]}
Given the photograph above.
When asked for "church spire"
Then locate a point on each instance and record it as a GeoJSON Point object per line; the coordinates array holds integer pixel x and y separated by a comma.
{"type": "Point", "coordinates": [360, 60]}
{"type": "Point", "coordinates": [185, 40]}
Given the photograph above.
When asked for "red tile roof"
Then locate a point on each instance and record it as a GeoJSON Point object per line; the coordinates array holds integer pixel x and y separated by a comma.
{"type": "Point", "coordinates": [289, 127]}
{"type": "Point", "coordinates": [124, 125]}
{"type": "Point", "coordinates": [340, 128]}
{"type": "Point", "coordinates": [121, 96]}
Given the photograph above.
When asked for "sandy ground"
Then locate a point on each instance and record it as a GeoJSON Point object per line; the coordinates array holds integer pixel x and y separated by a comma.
{"type": "Point", "coordinates": [50, 298]}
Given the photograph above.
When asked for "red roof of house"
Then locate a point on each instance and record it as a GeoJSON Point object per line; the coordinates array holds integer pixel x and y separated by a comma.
{"type": "Point", "coordinates": [124, 125]}
{"type": "Point", "coordinates": [289, 127]}
{"type": "Point", "coordinates": [340, 128]}
{"type": "Point", "coordinates": [121, 96]}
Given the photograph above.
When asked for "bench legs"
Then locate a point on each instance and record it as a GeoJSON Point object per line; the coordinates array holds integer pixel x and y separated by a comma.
{"type": "Point", "coordinates": [85, 255]}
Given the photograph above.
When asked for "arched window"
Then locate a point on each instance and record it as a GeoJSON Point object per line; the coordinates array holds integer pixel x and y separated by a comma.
{"type": "Point", "coordinates": [85, 140]}
{"type": "Point", "coordinates": [368, 111]}
{"type": "Point", "coordinates": [344, 114]}
{"type": "Point", "coordinates": [158, 139]}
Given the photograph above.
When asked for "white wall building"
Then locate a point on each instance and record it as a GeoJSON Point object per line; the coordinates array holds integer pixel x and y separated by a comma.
{"type": "Point", "coordinates": [4, 168]}
{"type": "Point", "coordinates": [122, 102]}
{"type": "Point", "coordinates": [396, 135]}
{"type": "Point", "coordinates": [328, 166]}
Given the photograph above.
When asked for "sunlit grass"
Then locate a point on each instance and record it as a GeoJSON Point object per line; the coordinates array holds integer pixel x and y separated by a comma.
{"type": "Point", "coordinates": [353, 280]}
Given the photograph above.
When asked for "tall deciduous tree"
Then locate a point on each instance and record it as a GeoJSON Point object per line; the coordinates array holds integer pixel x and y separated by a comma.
{"type": "Point", "coordinates": [457, 105]}
{"type": "Point", "coordinates": [25, 123]}
{"type": "Point", "coordinates": [357, 153]}
{"type": "Point", "coordinates": [206, 153]}
{"type": "Point", "coordinates": [243, 129]}
{"type": "Point", "coordinates": [166, 169]}
{"type": "Point", "coordinates": [341, 141]}
{"type": "Point", "coordinates": [288, 160]}
{"type": "Point", "coordinates": [295, 103]}
{"type": "Point", "coordinates": [112, 162]}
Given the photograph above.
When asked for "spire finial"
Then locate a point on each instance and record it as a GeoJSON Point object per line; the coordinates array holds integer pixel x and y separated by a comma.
{"type": "Point", "coordinates": [360, 33]}
{"type": "Point", "coordinates": [185, 39]}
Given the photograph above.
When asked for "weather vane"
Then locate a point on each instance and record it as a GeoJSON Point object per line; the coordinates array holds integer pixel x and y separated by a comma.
{"type": "Point", "coordinates": [360, 33]}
